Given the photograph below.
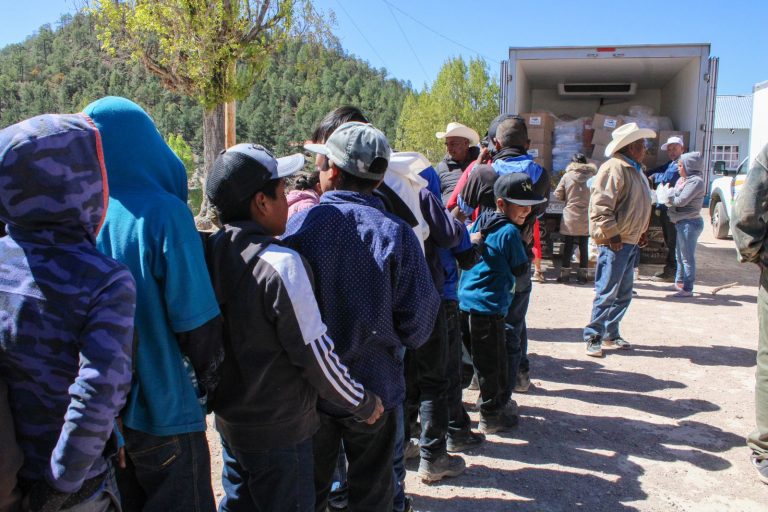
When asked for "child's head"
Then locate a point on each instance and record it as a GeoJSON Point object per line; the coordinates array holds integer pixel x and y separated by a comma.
{"type": "Point", "coordinates": [515, 196]}
{"type": "Point", "coordinates": [247, 183]}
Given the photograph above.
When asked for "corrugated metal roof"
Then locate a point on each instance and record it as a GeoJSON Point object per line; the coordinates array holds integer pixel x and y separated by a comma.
{"type": "Point", "coordinates": [733, 112]}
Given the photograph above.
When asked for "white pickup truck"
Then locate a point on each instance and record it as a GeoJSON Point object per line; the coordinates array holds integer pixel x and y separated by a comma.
{"type": "Point", "coordinates": [722, 193]}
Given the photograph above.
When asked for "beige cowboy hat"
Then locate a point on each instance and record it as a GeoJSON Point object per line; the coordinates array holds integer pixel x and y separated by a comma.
{"type": "Point", "coordinates": [627, 134]}
{"type": "Point", "coordinates": [459, 130]}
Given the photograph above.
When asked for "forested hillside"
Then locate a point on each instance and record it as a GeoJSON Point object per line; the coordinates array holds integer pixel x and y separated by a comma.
{"type": "Point", "coordinates": [62, 69]}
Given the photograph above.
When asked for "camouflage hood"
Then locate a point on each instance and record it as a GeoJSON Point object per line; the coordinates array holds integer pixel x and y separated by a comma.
{"type": "Point", "coordinates": [138, 159]}
{"type": "Point", "coordinates": [52, 179]}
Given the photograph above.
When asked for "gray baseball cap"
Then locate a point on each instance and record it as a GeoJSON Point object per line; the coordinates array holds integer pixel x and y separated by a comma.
{"type": "Point", "coordinates": [353, 147]}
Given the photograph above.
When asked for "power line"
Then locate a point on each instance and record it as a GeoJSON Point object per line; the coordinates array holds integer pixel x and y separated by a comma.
{"type": "Point", "coordinates": [391, 6]}
{"type": "Point", "coordinates": [415, 55]}
{"type": "Point", "coordinates": [362, 34]}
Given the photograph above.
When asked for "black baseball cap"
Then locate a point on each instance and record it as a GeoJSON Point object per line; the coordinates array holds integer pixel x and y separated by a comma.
{"type": "Point", "coordinates": [241, 171]}
{"type": "Point", "coordinates": [516, 188]}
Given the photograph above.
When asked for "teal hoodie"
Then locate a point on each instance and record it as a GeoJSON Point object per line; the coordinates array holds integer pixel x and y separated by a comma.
{"type": "Point", "coordinates": [150, 229]}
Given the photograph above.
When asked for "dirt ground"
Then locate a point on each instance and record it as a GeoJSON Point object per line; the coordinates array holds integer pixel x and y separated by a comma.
{"type": "Point", "coordinates": [659, 427]}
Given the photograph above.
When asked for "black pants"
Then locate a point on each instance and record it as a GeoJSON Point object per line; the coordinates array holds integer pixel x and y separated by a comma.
{"type": "Point", "coordinates": [369, 451]}
{"type": "Point", "coordinates": [670, 238]}
{"type": "Point", "coordinates": [489, 354]}
{"type": "Point", "coordinates": [583, 244]}
{"type": "Point", "coordinates": [427, 385]}
{"type": "Point", "coordinates": [458, 419]}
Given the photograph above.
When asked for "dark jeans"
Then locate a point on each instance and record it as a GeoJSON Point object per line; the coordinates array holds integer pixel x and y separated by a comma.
{"type": "Point", "coordinates": [489, 354]}
{"type": "Point", "coordinates": [670, 237]}
{"type": "Point", "coordinates": [458, 419]}
{"type": "Point", "coordinates": [166, 473]}
{"type": "Point", "coordinates": [613, 291]}
{"type": "Point", "coordinates": [277, 479]}
{"type": "Point", "coordinates": [427, 383]}
{"type": "Point", "coordinates": [583, 243]}
{"type": "Point", "coordinates": [369, 452]}
{"type": "Point", "coordinates": [517, 331]}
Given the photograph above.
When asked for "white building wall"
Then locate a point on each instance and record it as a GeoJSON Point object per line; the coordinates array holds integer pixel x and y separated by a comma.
{"type": "Point", "coordinates": [723, 137]}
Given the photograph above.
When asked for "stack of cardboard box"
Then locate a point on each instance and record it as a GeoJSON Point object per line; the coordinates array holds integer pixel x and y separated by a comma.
{"type": "Point", "coordinates": [540, 125]}
{"type": "Point", "coordinates": [603, 125]}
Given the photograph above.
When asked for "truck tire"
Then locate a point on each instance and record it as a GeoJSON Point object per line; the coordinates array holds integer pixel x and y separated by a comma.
{"type": "Point", "coordinates": [720, 221]}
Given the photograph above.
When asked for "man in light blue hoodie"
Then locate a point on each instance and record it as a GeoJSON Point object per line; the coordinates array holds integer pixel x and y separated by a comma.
{"type": "Point", "coordinates": [150, 228]}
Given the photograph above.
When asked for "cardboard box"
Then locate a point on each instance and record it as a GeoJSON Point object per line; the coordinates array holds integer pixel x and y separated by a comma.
{"type": "Point", "coordinates": [543, 121]}
{"type": "Point", "coordinates": [542, 155]}
{"type": "Point", "coordinates": [540, 136]}
{"type": "Point", "coordinates": [601, 137]}
{"type": "Point", "coordinates": [598, 152]}
{"type": "Point", "coordinates": [596, 162]}
{"type": "Point", "coordinates": [603, 122]}
{"type": "Point", "coordinates": [587, 136]}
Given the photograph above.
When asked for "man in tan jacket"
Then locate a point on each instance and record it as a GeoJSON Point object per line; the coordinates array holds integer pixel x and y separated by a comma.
{"type": "Point", "coordinates": [619, 212]}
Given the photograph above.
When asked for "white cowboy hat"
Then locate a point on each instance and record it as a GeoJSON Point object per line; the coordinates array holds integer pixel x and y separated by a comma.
{"type": "Point", "coordinates": [627, 134]}
{"type": "Point", "coordinates": [459, 130]}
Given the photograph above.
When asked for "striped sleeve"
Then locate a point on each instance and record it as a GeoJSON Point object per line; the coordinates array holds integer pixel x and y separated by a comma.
{"type": "Point", "coordinates": [302, 332]}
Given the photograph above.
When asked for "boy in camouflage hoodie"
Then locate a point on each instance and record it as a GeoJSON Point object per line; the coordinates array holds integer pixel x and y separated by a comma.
{"type": "Point", "coordinates": [66, 327]}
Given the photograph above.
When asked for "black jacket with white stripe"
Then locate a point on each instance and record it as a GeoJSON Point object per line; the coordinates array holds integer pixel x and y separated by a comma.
{"type": "Point", "coordinates": [278, 356]}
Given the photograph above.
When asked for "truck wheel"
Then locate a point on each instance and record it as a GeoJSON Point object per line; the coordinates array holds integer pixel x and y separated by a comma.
{"type": "Point", "coordinates": [720, 221]}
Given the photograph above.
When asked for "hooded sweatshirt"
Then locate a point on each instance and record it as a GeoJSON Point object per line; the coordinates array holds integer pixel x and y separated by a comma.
{"type": "Point", "coordinates": [487, 287]}
{"type": "Point", "coordinates": [301, 200]}
{"type": "Point", "coordinates": [279, 354]}
{"type": "Point", "coordinates": [66, 327]}
{"type": "Point", "coordinates": [150, 229]}
{"type": "Point", "coordinates": [689, 192]}
{"type": "Point", "coordinates": [573, 189]}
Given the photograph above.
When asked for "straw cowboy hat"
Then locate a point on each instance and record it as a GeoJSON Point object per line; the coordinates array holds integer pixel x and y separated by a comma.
{"type": "Point", "coordinates": [625, 135]}
{"type": "Point", "coordinates": [459, 130]}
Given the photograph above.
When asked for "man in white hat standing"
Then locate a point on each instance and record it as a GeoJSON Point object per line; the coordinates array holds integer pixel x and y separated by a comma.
{"type": "Point", "coordinates": [461, 143]}
{"type": "Point", "coordinates": [619, 213]}
{"type": "Point", "coordinates": [667, 174]}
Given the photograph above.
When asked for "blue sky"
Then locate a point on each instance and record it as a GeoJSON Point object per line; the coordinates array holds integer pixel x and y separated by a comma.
{"type": "Point", "coordinates": [413, 38]}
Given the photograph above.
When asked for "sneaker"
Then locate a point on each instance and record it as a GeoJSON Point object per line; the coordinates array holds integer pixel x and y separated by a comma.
{"type": "Point", "coordinates": [594, 347]}
{"type": "Point", "coordinates": [677, 286]}
{"type": "Point", "coordinates": [682, 293]}
{"type": "Point", "coordinates": [412, 449]}
{"type": "Point", "coordinates": [565, 275]}
{"type": "Point", "coordinates": [464, 442]}
{"type": "Point", "coordinates": [761, 465]}
{"type": "Point", "coordinates": [499, 422]}
{"type": "Point", "coordinates": [522, 382]}
{"type": "Point", "coordinates": [538, 277]}
{"type": "Point", "coordinates": [444, 466]}
{"type": "Point", "coordinates": [475, 384]}
{"type": "Point", "coordinates": [617, 342]}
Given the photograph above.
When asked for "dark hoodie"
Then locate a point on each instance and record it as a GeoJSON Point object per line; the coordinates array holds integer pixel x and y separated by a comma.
{"type": "Point", "coordinates": [509, 160]}
{"type": "Point", "coordinates": [278, 352]}
{"type": "Point", "coordinates": [67, 310]}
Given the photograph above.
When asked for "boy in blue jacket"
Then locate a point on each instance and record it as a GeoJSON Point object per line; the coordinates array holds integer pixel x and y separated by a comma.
{"type": "Point", "coordinates": [484, 293]}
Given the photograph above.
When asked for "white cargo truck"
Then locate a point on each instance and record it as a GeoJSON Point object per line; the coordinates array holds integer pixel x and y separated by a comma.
{"type": "Point", "coordinates": [678, 81]}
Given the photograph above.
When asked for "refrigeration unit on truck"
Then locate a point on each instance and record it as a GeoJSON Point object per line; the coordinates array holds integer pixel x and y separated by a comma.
{"type": "Point", "coordinates": [673, 86]}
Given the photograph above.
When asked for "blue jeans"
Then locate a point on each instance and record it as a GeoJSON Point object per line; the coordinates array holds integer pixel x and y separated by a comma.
{"type": "Point", "coordinates": [275, 479]}
{"type": "Point", "coordinates": [613, 290]}
{"type": "Point", "coordinates": [167, 473]}
{"type": "Point", "coordinates": [688, 232]}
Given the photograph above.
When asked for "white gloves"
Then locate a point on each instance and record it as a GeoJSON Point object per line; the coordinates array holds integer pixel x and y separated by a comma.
{"type": "Point", "coordinates": [664, 194]}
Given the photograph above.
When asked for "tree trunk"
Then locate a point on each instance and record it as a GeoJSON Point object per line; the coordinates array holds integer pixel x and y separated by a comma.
{"type": "Point", "coordinates": [213, 144]}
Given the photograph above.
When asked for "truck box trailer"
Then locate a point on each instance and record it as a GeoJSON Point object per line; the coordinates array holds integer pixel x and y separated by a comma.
{"type": "Point", "coordinates": [678, 81]}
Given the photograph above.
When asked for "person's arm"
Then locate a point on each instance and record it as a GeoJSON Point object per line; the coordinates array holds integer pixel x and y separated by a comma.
{"type": "Point", "coordinates": [467, 253]}
{"type": "Point", "coordinates": [291, 306]}
{"type": "Point", "coordinates": [602, 212]}
{"type": "Point", "coordinates": [444, 229]}
{"type": "Point", "coordinates": [204, 346]}
{"type": "Point", "coordinates": [749, 224]}
{"type": "Point", "coordinates": [415, 298]}
{"type": "Point", "coordinates": [692, 189]}
{"type": "Point", "coordinates": [560, 189]}
{"type": "Point", "coordinates": [98, 393]}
